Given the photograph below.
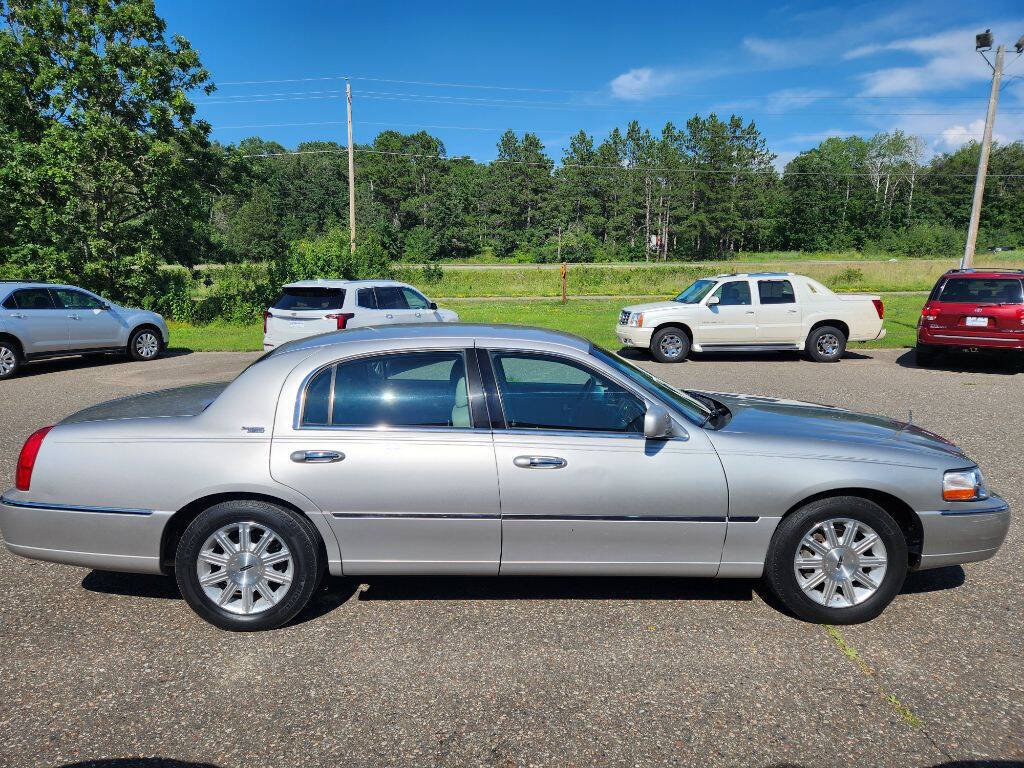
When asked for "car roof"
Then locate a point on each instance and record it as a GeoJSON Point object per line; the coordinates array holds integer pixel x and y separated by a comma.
{"type": "Point", "coordinates": [755, 274]}
{"type": "Point", "coordinates": [16, 284]}
{"type": "Point", "coordinates": [320, 283]}
{"type": "Point", "coordinates": [432, 332]}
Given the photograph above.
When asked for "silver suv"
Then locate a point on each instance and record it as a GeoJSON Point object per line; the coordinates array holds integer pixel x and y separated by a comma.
{"type": "Point", "coordinates": [39, 320]}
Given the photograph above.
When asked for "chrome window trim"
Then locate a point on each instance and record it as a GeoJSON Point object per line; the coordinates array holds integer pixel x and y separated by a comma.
{"type": "Point", "coordinates": [300, 402]}
{"type": "Point", "coordinates": [75, 507]}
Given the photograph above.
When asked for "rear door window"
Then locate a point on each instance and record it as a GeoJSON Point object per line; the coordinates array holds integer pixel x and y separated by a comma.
{"type": "Point", "coordinates": [310, 299]}
{"type": "Point", "coordinates": [366, 298]}
{"type": "Point", "coordinates": [775, 292]}
{"type": "Point", "coordinates": [978, 290]}
{"type": "Point", "coordinates": [391, 297]}
{"type": "Point", "coordinates": [34, 298]}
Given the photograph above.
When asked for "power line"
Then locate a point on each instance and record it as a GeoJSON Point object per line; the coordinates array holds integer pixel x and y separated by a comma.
{"type": "Point", "coordinates": [681, 169]}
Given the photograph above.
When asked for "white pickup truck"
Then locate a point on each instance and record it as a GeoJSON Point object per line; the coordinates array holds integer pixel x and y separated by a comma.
{"type": "Point", "coordinates": [757, 312]}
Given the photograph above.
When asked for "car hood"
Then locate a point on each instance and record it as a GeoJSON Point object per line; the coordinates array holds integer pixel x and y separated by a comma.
{"type": "Point", "coordinates": [656, 305]}
{"type": "Point", "coordinates": [766, 417]}
{"type": "Point", "coordinates": [180, 401]}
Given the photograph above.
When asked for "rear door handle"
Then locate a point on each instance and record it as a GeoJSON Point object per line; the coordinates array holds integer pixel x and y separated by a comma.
{"type": "Point", "coordinates": [539, 462]}
{"type": "Point", "coordinates": [791, 311]}
{"type": "Point", "coordinates": [18, 315]}
{"type": "Point", "coordinates": [389, 316]}
{"type": "Point", "coordinates": [317, 457]}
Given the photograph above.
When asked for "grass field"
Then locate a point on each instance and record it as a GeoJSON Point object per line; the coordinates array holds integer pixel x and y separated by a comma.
{"type": "Point", "coordinates": [591, 318]}
{"type": "Point", "coordinates": [875, 276]}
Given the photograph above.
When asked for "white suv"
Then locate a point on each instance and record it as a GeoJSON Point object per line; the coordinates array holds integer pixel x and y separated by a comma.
{"type": "Point", "coordinates": [758, 312]}
{"type": "Point", "coordinates": [309, 307]}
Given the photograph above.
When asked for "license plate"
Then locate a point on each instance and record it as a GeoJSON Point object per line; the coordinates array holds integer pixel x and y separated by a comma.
{"type": "Point", "coordinates": [977, 321]}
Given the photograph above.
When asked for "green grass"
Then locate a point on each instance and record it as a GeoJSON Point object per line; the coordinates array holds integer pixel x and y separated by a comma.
{"type": "Point", "coordinates": [873, 276]}
{"type": "Point", "coordinates": [591, 318]}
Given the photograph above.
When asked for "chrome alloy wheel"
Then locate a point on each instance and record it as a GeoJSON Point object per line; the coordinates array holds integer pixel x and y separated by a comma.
{"type": "Point", "coordinates": [840, 563]}
{"type": "Point", "coordinates": [245, 568]}
{"type": "Point", "coordinates": [8, 361]}
{"type": "Point", "coordinates": [828, 344]}
{"type": "Point", "coordinates": [146, 345]}
{"type": "Point", "coordinates": [671, 345]}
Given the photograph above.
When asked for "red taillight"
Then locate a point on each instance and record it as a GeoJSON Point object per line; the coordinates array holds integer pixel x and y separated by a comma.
{"type": "Point", "coordinates": [342, 319]}
{"type": "Point", "coordinates": [928, 312]}
{"type": "Point", "coordinates": [266, 316]}
{"type": "Point", "coordinates": [27, 458]}
{"type": "Point", "coordinates": [879, 308]}
{"type": "Point", "coordinates": [1020, 316]}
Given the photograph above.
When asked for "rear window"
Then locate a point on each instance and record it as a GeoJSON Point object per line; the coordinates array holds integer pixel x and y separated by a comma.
{"type": "Point", "coordinates": [303, 299]}
{"type": "Point", "coordinates": [979, 290]}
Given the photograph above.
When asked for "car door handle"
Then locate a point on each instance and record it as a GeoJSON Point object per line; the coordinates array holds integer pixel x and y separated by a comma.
{"type": "Point", "coordinates": [389, 316]}
{"type": "Point", "coordinates": [317, 457]}
{"type": "Point", "coordinates": [73, 317]}
{"type": "Point", "coordinates": [539, 462]}
{"type": "Point", "coordinates": [791, 311]}
{"type": "Point", "coordinates": [749, 312]}
{"type": "Point", "coordinates": [18, 315]}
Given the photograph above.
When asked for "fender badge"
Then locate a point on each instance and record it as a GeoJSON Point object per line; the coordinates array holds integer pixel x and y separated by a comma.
{"type": "Point", "coordinates": [254, 430]}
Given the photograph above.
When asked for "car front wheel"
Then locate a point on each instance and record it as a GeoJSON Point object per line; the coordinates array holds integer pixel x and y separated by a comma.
{"type": "Point", "coordinates": [145, 344]}
{"type": "Point", "coordinates": [248, 565]}
{"type": "Point", "coordinates": [670, 345]}
{"type": "Point", "coordinates": [837, 561]}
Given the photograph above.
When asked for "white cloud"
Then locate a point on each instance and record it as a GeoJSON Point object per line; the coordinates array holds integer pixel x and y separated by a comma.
{"type": "Point", "coordinates": [950, 62]}
{"type": "Point", "coordinates": [643, 83]}
{"type": "Point", "coordinates": [776, 51]}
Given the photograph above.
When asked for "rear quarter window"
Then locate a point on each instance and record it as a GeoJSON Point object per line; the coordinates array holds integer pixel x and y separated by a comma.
{"type": "Point", "coordinates": [310, 299]}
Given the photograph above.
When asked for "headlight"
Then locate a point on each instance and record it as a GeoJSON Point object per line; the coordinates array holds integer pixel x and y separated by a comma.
{"type": "Point", "coordinates": [964, 485]}
{"type": "Point", "coordinates": [636, 320]}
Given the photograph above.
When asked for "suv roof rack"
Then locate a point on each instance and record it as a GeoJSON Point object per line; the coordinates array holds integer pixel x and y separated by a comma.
{"type": "Point", "coordinates": [983, 269]}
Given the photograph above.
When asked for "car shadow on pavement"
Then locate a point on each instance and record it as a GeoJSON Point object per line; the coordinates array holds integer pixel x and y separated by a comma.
{"type": "Point", "coordinates": [132, 584]}
{"type": "Point", "coordinates": [553, 588]}
{"type": "Point", "coordinates": [937, 580]}
{"type": "Point", "coordinates": [138, 762]}
{"type": "Point", "coordinates": [97, 360]}
{"type": "Point", "coordinates": [632, 353]}
{"type": "Point", "coordinates": [1006, 363]}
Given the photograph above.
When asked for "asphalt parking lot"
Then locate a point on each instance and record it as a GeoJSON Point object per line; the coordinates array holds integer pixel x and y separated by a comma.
{"type": "Point", "coordinates": [510, 672]}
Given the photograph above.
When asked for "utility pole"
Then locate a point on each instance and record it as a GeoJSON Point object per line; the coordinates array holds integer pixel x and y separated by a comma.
{"type": "Point", "coordinates": [351, 173]}
{"type": "Point", "coordinates": [986, 148]}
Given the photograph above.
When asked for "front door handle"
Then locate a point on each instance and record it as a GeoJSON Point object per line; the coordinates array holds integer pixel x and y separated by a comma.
{"type": "Point", "coordinates": [539, 462]}
{"type": "Point", "coordinates": [317, 457]}
{"type": "Point", "coordinates": [18, 315]}
{"type": "Point", "coordinates": [749, 312]}
{"type": "Point", "coordinates": [389, 316]}
{"type": "Point", "coordinates": [791, 311]}
{"type": "Point", "coordinates": [73, 317]}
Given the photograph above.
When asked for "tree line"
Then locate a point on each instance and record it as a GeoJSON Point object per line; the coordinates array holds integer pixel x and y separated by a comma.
{"type": "Point", "coordinates": [107, 175]}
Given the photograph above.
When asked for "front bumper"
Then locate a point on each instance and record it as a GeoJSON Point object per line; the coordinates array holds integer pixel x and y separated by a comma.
{"type": "Point", "coordinates": [92, 537]}
{"type": "Point", "coordinates": [963, 535]}
{"type": "Point", "coordinates": [631, 336]}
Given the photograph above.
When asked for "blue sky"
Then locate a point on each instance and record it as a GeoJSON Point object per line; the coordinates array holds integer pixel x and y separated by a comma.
{"type": "Point", "coordinates": [801, 71]}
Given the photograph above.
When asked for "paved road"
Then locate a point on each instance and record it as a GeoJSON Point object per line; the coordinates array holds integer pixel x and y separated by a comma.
{"type": "Point", "coordinates": [517, 672]}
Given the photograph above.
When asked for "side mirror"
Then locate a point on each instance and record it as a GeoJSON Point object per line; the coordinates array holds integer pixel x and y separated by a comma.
{"type": "Point", "coordinates": [433, 305]}
{"type": "Point", "coordinates": [105, 307]}
{"type": "Point", "coordinates": [657, 423]}
{"type": "Point", "coordinates": [712, 300]}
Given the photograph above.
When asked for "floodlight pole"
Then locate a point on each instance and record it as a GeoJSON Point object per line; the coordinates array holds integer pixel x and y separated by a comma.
{"type": "Point", "coordinates": [986, 148]}
{"type": "Point", "coordinates": [351, 173]}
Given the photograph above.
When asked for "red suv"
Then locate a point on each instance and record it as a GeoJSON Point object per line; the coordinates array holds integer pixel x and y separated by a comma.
{"type": "Point", "coordinates": [972, 309]}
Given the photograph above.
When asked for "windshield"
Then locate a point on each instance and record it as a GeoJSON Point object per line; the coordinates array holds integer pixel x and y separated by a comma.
{"type": "Point", "coordinates": [693, 409]}
{"type": "Point", "coordinates": [696, 292]}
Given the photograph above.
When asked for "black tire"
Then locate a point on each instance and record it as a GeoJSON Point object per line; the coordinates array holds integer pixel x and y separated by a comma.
{"type": "Point", "coordinates": [670, 345]}
{"type": "Point", "coordinates": [826, 344]}
{"type": "Point", "coordinates": [925, 355]}
{"type": "Point", "coordinates": [10, 359]}
{"type": "Point", "coordinates": [780, 566]}
{"type": "Point", "coordinates": [141, 351]}
{"type": "Point", "coordinates": [294, 531]}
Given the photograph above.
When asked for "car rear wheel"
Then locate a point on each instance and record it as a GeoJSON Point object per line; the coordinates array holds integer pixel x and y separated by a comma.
{"type": "Point", "coordinates": [837, 561]}
{"type": "Point", "coordinates": [10, 359]}
{"type": "Point", "coordinates": [826, 344]}
{"type": "Point", "coordinates": [145, 344]}
{"type": "Point", "coordinates": [670, 345]}
{"type": "Point", "coordinates": [248, 565]}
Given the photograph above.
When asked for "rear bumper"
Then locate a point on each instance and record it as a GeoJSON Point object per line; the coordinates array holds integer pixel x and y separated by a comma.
{"type": "Point", "coordinates": [959, 339]}
{"type": "Point", "coordinates": [953, 536]}
{"type": "Point", "coordinates": [92, 537]}
{"type": "Point", "coordinates": [631, 336]}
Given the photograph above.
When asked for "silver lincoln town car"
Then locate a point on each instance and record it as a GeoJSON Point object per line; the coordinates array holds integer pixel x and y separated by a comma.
{"type": "Point", "coordinates": [487, 450]}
